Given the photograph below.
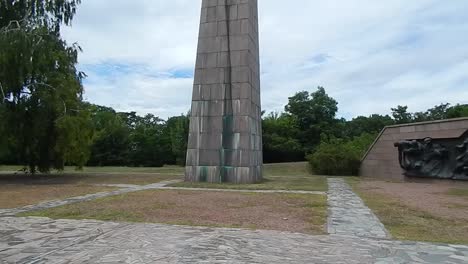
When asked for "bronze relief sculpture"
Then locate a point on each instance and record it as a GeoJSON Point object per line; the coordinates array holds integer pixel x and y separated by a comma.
{"type": "Point", "coordinates": [430, 158]}
{"type": "Point", "coordinates": [461, 168]}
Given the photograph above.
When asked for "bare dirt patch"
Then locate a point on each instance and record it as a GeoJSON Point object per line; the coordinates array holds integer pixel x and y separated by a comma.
{"type": "Point", "coordinates": [284, 212]}
{"type": "Point", "coordinates": [12, 196]}
{"type": "Point", "coordinates": [439, 198]}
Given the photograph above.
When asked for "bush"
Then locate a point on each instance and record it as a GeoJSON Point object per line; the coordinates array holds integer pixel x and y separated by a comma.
{"type": "Point", "coordinates": [340, 157]}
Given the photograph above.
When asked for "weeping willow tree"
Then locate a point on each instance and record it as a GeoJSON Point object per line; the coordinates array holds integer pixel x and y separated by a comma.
{"type": "Point", "coordinates": [42, 125]}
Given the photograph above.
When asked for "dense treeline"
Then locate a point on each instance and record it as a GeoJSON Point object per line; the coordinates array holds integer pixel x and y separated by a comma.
{"type": "Point", "coordinates": [126, 139]}
{"type": "Point", "coordinates": [310, 119]}
{"type": "Point", "coordinates": [334, 146]}
{"type": "Point", "coordinates": [308, 128]}
{"type": "Point", "coordinates": [44, 123]}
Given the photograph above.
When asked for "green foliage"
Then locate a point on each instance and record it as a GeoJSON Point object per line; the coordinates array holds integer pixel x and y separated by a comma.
{"type": "Point", "coordinates": [362, 124]}
{"type": "Point", "coordinates": [280, 139]}
{"type": "Point", "coordinates": [147, 143]}
{"type": "Point", "coordinates": [41, 89]}
{"type": "Point", "coordinates": [111, 139]}
{"type": "Point", "coordinates": [292, 135]}
{"type": "Point", "coordinates": [457, 111]}
{"type": "Point", "coordinates": [177, 129]}
{"type": "Point", "coordinates": [126, 139]}
{"type": "Point", "coordinates": [401, 115]}
{"type": "Point", "coordinates": [340, 157]}
{"type": "Point", "coordinates": [315, 114]}
{"type": "Point", "coordinates": [75, 137]}
{"type": "Point", "coordinates": [438, 112]}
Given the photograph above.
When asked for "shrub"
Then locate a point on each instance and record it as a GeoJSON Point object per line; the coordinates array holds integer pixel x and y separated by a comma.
{"type": "Point", "coordinates": [340, 157]}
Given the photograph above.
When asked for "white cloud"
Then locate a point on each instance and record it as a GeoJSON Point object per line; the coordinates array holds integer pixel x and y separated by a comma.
{"type": "Point", "coordinates": [369, 55]}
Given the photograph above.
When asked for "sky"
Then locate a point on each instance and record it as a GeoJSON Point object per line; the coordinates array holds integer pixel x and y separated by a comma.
{"type": "Point", "coordinates": [369, 55]}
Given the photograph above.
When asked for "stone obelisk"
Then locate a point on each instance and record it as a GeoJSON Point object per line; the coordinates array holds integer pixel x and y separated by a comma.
{"type": "Point", "coordinates": [225, 139]}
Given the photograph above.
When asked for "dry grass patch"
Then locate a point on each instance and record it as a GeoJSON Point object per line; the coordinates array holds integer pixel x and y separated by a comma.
{"type": "Point", "coordinates": [285, 212]}
{"type": "Point", "coordinates": [168, 169]}
{"type": "Point", "coordinates": [281, 176]}
{"type": "Point", "coordinates": [420, 211]}
{"type": "Point", "coordinates": [25, 189]}
{"type": "Point", "coordinates": [458, 192]}
{"type": "Point", "coordinates": [87, 178]}
{"type": "Point", "coordinates": [12, 196]}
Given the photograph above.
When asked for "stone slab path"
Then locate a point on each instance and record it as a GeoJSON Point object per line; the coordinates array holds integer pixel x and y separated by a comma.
{"type": "Point", "coordinates": [42, 240]}
{"type": "Point", "coordinates": [357, 236]}
{"type": "Point", "coordinates": [348, 215]}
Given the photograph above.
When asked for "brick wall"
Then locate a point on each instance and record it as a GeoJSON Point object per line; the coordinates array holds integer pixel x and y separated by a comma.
{"type": "Point", "coordinates": [381, 160]}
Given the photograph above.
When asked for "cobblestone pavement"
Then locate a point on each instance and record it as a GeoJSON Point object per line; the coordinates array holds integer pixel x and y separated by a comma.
{"type": "Point", "coordinates": [348, 215]}
{"type": "Point", "coordinates": [42, 240]}
{"type": "Point", "coordinates": [84, 198]}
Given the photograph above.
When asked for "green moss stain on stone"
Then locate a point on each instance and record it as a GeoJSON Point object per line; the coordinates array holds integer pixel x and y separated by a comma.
{"type": "Point", "coordinates": [203, 174]}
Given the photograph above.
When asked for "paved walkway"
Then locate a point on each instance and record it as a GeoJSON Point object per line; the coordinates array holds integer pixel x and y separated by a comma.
{"type": "Point", "coordinates": [41, 240]}
{"type": "Point", "coordinates": [348, 215]}
{"type": "Point", "coordinates": [356, 237]}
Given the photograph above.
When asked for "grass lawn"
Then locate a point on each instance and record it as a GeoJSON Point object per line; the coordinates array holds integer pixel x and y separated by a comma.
{"type": "Point", "coordinates": [458, 192]}
{"type": "Point", "coordinates": [12, 196]}
{"type": "Point", "coordinates": [286, 212]}
{"type": "Point", "coordinates": [281, 176]}
{"type": "Point", "coordinates": [414, 214]}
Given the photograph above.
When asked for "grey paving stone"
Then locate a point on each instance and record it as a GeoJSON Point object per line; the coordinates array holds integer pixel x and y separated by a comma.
{"type": "Point", "coordinates": [348, 215]}
{"type": "Point", "coordinates": [73, 241]}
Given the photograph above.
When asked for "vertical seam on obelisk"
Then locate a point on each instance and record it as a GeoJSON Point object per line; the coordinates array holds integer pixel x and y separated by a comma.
{"type": "Point", "coordinates": [228, 108]}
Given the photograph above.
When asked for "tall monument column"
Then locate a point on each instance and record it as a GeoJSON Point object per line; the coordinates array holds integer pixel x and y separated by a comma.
{"type": "Point", "coordinates": [225, 139]}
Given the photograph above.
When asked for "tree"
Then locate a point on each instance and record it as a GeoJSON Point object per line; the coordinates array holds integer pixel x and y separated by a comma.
{"type": "Point", "coordinates": [401, 115]}
{"type": "Point", "coordinates": [177, 129]}
{"type": "Point", "coordinates": [314, 114]}
{"type": "Point", "coordinates": [372, 124]}
{"type": "Point", "coordinates": [112, 137]}
{"type": "Point", "coordinates": [342, 157]}
{"type": "Point", "coordinates": [41, 89]}
{"type": "Point", "coordinates": [457, 111]}
{"type": "Point", "coordinates": [147, 145]}
{"type": "Point", "coordinates": [280, 143]}
{"type": "Point", "coordinates": [438, 112]}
